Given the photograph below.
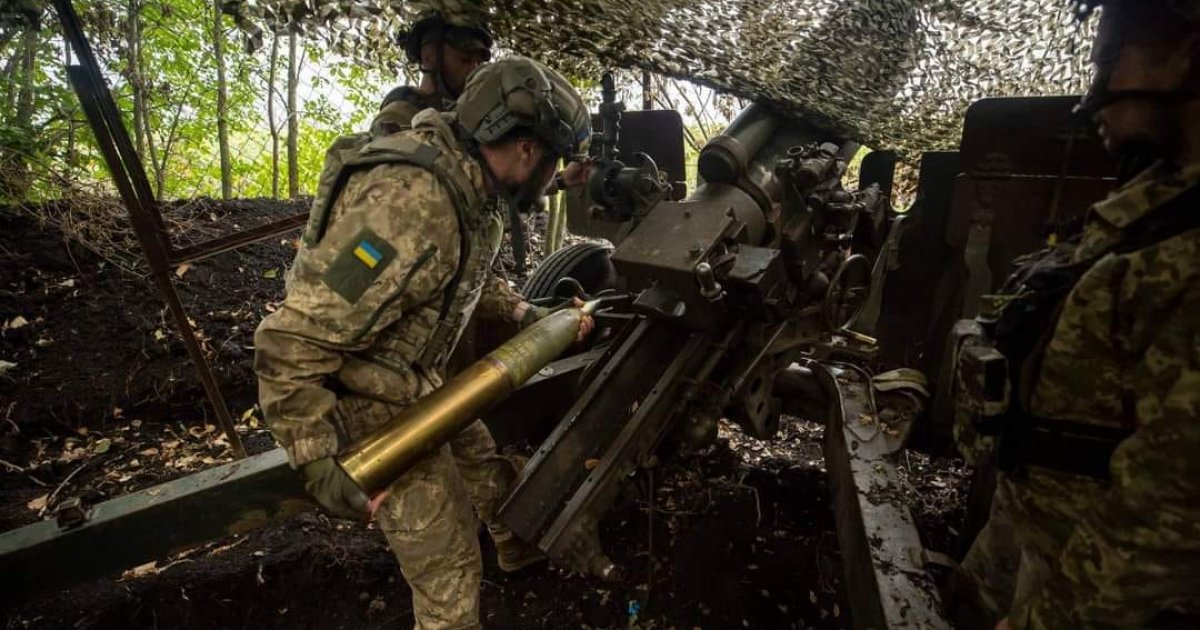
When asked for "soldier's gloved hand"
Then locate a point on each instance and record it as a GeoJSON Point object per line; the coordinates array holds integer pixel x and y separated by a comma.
{"type": "Point", "coordinates": [333, 489]}
{"type": "Point", "coordinates": [532, 314]}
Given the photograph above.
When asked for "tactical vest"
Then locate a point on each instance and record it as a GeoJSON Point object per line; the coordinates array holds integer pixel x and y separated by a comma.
{"type": "Point", "coordinates": [1020, 331]}
{"type": "Point", "coordinates": [426, 335]}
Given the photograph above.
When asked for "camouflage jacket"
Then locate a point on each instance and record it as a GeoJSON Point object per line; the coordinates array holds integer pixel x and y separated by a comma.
{"type": "Point", "coordinates": [362, 299]}
{"type": "Point", "coordinates": [400, 105]}
{"type": "Point", "coordinates": [1126, 345]}
{"type": "Point", "coordinates": [395, 115]}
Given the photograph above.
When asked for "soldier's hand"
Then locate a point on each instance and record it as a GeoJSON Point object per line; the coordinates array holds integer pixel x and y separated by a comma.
{"type": "Point", "coordinates": [526, 314]}
{"type": "Point", "coordinates": [575, 174]}
{"type": "Point", "coordinates": [333, 489]}
{"type": "Point", "coordinates": [375, 502]}
{"type": "Point", "coordinates": [585, 325]}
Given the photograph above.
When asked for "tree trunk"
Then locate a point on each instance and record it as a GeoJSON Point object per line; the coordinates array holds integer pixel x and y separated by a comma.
{"type": "Point", "coordinates": [158, 162]}
{"type": "Point", "coordinates": [25, 96]}
{"type": "Point", "coordinates": [134, 41]}
{"type": "Point", "coordinates": [222, 104]}
{"type": "Point", "coordinates": [72, 157]}
{"type": "Point", "coordinates": [271, 116]}
{"type": "Point", "coordinates": [9, 78]}
{"type": "Point", "coordinates": [293, 131]}
{"type": "Point", "coordinates": [18, 162]}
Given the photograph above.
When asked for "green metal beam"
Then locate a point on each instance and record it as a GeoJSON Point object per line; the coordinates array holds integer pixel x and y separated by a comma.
{"type": "Point", "coordinates": [233, 498]}
{"type": "Point", "coordinates": [153, 523]}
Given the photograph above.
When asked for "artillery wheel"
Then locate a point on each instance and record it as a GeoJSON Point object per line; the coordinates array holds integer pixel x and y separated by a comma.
{"type": "Point", "coordinates": [588, 263]}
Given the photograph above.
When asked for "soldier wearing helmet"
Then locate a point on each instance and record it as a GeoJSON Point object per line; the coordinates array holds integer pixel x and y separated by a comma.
{"type": "Point", "coordinates": [1094, 523]}
{"type": "Point", "coordinates": [446, 46]}
{"type": "Point", "coordinates": [396, 257]}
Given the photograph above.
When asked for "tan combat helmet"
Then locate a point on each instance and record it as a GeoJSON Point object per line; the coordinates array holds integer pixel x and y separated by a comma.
{"type": "Point", "coordinates": [520, 93]}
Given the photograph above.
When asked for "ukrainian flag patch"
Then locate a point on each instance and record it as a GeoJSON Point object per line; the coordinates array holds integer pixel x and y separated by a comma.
{"type": "Point", "coordinates": [358, 265]}
{"type": "Point", "coordinates": [368, 254]}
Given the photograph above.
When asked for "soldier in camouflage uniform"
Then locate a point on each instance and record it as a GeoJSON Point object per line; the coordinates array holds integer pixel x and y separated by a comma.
{"type": "Point", "coordinates": [446, 47]}
{"type": "Point", "coordinates": [397, 255]}
{"type": "Point", "coordinates": [446, 44]}
{"type": "Point", "coordinates": [1119, 549]}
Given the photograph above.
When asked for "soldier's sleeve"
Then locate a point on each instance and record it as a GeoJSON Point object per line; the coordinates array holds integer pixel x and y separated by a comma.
{"type": "Point", "coordinates": [392, 245]}
{"type": "Point", "coordinates": [1138, 552]}
{"type": "Point", "coordinates": [498, 299]}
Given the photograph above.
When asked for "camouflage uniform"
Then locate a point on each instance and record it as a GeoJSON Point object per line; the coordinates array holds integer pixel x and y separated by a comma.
{"type": "Point", "coordinates": [352, 345]}
{"type": "Point", "coordinates": [486, 474]}
{"type": "Point", "coordinates": [399, 107]}
{"type": "Point", "coordinates": [1065, 551]}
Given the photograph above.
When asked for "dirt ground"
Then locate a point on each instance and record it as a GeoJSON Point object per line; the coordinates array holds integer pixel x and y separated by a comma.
{"type": "Point", "coordinates": [98, 399]}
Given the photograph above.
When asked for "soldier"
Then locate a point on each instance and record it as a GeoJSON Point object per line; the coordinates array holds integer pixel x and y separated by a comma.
{"type": "Point", "coordinates": [397, 255]}
{"type": "Point", "coordinates": [1095, 522]}
{"type": "Point", "coordinates": [447, 45]}
{"type": "Point", "coordinates": [446, 48]}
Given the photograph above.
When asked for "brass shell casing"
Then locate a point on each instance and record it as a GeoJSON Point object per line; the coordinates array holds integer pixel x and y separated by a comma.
{"type": "Point", "coordinates": [377, 460]}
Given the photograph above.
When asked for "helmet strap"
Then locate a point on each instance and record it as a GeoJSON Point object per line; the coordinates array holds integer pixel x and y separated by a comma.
{"type": "Point", "coordinates": [440, 74]}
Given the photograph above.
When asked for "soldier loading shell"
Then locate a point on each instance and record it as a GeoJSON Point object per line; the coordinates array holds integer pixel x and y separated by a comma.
{"type": "Point", "coordinates": [397, 256]}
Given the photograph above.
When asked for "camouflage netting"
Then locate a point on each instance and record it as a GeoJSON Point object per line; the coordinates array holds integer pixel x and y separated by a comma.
{"type": "Point", "coordinates": [890, 73]}
{"type": "Point", "coordinates": [895, 73]}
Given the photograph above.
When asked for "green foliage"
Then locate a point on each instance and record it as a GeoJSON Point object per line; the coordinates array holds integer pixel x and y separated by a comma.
{"type": "Point", "coordinates": [178, 79]}
{"type": "Point", "coordinates": [51, 151]}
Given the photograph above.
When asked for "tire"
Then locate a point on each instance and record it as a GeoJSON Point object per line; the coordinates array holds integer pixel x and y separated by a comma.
{"type": "Point", "coordinates": [588, 263]}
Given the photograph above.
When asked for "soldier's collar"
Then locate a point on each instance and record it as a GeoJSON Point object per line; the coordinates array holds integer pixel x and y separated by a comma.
{"type": "Point", "coordinates": [442, 126]}
{"type": "Point", "coordinates": [1153, 187]}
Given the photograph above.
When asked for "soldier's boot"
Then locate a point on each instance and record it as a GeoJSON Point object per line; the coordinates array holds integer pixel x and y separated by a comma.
{"type": "Point", "coordinates": [514, 554]}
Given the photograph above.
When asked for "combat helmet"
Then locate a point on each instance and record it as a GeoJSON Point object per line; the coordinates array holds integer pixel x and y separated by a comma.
{"type": "Point", "coordinates": [465, 30]}
{"type": "Point", "coordinates": [520, 93]}
{"type": "Point", "coordinates": [1122, 22]}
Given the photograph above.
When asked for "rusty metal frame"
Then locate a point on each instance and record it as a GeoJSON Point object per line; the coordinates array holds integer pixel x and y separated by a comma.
{"type": "Point", "coordinates": [129, 176]}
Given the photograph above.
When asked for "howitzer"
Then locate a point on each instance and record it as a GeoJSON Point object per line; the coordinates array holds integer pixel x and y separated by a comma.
{"type": "Point", "coordinates": [767, 263]}
{"type": "Point", "coordinates": [758, 294]}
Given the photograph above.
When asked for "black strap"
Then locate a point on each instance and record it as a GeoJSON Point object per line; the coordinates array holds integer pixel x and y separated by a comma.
{"type": "Point", "coordinates": [517, 237]}
{"type": "Point", "coordinates": [1066, 446]}
{"type": "Point", "coordinates": [1179, 215]}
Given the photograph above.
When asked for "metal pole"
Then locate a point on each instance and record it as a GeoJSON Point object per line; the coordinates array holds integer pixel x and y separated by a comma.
{"type": "Point", "coordinates": [554, 227]}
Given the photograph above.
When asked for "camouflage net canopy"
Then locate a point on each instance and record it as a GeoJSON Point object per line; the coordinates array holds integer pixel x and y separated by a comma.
{"type": "Point", "coordinates": [889, 73]}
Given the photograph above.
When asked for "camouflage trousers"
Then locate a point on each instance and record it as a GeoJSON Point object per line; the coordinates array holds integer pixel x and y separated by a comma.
{"type": "Point", "coordinates": [428, 520]}
{"type": "Point", "coordinates": [1028, 525]}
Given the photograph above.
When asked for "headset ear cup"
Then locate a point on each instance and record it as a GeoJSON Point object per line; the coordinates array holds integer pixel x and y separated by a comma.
{"type": "Point", "coordinates": [520, 93]}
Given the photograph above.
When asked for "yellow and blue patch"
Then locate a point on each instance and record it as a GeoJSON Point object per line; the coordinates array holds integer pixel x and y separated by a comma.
{"type": "Point", "coordinates": [354, 271]}
{"type": "Point", "coordinates": [368, 254]}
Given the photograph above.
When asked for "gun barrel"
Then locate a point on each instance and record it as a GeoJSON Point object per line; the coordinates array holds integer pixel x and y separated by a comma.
{"type": "Point", "coordinates": [377, 460]}
{"type": "Point", "coordinates": [727, 156]}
